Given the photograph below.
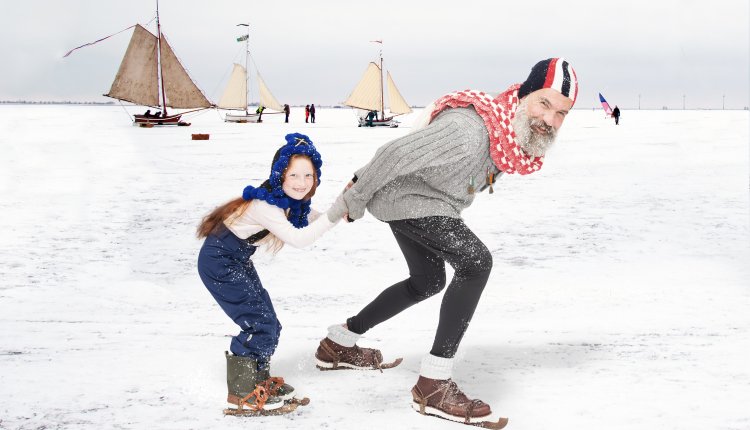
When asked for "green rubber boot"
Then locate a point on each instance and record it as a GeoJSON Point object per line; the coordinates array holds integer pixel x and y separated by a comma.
{"type": "Point", "coordinates": [243, 377]}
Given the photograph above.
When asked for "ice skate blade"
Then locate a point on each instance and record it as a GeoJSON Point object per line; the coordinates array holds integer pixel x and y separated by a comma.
{"type": "Point", "coordinates": [474, 421]}
{"type": "Point", "coordinates": [284, 409]}
{"type": "Point", "coordinates": [287, 397]}
{"type": "Point", "coordinates": [304, 401]}
{"type": "Point", "coordinates": [322, 365]}
{"type": "Point", "coordinates": [234, 401]}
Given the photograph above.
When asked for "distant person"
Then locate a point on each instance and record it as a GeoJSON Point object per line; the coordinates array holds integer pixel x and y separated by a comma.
{"type": "Point", "coordinates": [419, 184]}
{"type": "Point", "coordinates": [370, 118]}
{"type": "Point", "coordinates": [157, 114]}
{"type": "Point", "coordinates": [286, 113]}
{"type": "Point", "coordinates": [307, 112]}
{"type": "Point", "coordinates": [259, 111]}
{"type": "Point", "coordinates": [312, 114]}
{"type": "Point", "coordinates": [616, 114]}
{"type": "Point", "coordinates": [147, 114]}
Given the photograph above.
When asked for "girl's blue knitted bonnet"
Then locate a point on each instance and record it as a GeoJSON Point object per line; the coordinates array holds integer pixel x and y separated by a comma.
{"type": "Point", "coordinates": [271, 192]}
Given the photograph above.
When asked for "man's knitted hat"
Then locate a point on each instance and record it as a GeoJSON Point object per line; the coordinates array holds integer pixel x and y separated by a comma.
{"type": "Point", "coordinates": [271, 190]}
{"type": "Point", "coordinates": [555, 73]}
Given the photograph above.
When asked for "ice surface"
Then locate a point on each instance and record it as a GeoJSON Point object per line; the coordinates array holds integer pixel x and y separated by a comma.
{"type": "Point", "coordinates": [619, 296]}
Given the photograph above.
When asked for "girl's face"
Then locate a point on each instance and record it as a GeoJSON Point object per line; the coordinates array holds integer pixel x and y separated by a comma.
{"type": "Point", "coordinates": [299, 178]}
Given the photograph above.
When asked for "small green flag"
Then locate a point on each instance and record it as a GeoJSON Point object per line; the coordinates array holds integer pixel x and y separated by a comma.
{"type": "Point", "coordinates": [242, 38]}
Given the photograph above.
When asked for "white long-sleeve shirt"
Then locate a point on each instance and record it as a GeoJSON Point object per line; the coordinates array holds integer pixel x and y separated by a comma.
{"type": "Point", "coordinates": [260, 215]}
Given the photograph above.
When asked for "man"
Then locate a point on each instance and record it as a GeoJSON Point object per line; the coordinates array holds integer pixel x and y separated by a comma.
{"type": "Point", "coordinates": [370, 118]}
{"type": "Point", "coordinates": [616, 114]}
{"type": "Point", "coordinates": [419, 184]}
{"type": "Point", "coordinates": [286, 113]}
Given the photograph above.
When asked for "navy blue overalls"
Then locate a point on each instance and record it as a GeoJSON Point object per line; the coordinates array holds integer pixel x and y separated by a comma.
{"type": "Point", "coordinates": [226, 269]}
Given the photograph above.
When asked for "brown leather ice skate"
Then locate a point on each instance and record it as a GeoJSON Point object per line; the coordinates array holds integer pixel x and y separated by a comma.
{"type": "Point", "coordinates": [332, 356]}
{"type": "Point", "coordinates": [443, 399]}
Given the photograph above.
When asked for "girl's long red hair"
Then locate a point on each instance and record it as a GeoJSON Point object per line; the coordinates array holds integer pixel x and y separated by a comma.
{"type": "Point", "coordinates": [213, 222]}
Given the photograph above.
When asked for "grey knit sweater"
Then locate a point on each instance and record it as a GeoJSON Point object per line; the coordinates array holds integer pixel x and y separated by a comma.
{"type": "Point", "coordinates": [427, 172]}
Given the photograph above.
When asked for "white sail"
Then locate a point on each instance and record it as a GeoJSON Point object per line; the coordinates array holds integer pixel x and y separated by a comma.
{"type": "Point", "coordinates": [266, 98]}
{"type": "Point", "coordinates": [137, 78]}
{"type": "Point", "coordinates": [369, 91]}
{"type": "Point", "coordinates": [181, 91]}
{"type": "Point", "coordinates": [396, 102]}
{"type": "Point", "coordinates": [235, 94]}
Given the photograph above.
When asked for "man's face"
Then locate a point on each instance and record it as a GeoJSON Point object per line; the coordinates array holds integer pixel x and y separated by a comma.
{"type": "Point", "coordinates": [549, 106]}
{"type": "Point", "coordinates": [539, 116]}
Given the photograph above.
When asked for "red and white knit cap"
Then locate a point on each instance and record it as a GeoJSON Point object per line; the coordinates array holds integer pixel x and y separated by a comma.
{"type": "Point", "coordinates": [555, 73]}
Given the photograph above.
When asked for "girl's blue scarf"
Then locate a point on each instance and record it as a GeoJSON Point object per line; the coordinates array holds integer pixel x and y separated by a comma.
{"type": "Point", "coordinates": [271, 192]}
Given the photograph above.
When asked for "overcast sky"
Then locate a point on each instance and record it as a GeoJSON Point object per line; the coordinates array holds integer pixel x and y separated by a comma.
{"type": "Point", "coordinates": [316, 51]}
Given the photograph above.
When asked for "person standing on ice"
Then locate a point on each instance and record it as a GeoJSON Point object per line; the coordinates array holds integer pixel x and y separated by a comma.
{"type": "Point", "coordinates": [616, 115]}
{"type": "Point", "coordinates": [275, 213]}
{"type": "Point", "coordinates": [419, 184]}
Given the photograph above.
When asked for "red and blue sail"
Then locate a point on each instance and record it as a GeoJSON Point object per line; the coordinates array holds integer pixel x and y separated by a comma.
{"type": "Point", "coordinates": [605, 105]}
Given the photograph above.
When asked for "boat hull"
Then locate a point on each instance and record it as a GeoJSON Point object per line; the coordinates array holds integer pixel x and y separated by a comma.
{"type": "Point", "coordinates": [242, 118]}
{"type": "Point", "coordinates": [150, 121]}
{"type": "Point", "coordinates": [387, 122]}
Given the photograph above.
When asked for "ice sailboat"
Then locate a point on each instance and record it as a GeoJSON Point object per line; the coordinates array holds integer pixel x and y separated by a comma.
{"type": "Point", "coordinates": [369, 96]}
{"type": "Point", "coordinates": [151, 75]}
{"type": "Point", "coordinates": [605, 105]}
{"type": "Point", "coordinates": [235, 96]}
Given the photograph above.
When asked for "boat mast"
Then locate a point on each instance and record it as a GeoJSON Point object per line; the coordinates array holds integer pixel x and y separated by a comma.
{"type": "Point", "coordinates": [160, 79]}
{"type": "Point", "coordinates": [247, 75]}
{"type": "Point", "coordinates": [382, 90]}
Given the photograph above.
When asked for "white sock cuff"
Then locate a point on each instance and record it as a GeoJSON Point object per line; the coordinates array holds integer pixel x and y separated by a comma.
{"type": "Point", "coordinates": [341, 335]}
{"type": "Point", "coordinates": [434, 367]}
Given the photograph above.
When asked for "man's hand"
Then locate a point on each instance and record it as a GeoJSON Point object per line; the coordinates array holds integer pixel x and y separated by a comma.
{"type": "Point", "coordinates": [338, 210]}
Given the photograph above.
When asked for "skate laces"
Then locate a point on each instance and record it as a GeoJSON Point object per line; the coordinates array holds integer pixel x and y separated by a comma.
{"type": "Point", "coordinates": [451, 393]}
{"type": "Point", "coordinates": [273, 384]}
{"type": "Point", "coordinates": [362, 352]}
{"type": "Point", "coordinates": [261, 396]}
{"type": "Point", "coordinates": [453, 390]}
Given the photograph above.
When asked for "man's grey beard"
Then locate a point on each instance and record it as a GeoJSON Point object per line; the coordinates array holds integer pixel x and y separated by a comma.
{"type": "Point", "coordinates": [532, 143]}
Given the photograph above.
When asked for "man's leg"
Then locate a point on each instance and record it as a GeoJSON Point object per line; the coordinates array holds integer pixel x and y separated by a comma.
{"type": "Point", "coordinates": [435, 392]}
{"type": "Point", "coordinates": [426, 242]}
{"type": "Point", "coordinates": [426, 278]}
{"type": "Point", "coordinates": [452, 241]}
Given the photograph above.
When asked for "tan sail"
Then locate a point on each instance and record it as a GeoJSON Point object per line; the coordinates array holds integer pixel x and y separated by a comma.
{"type": "Point", "coordinates": [136, 80]}
{"type": "Point", "coordinates": [396, 101]}
{"type": "Point", "coordinates": [266, 98]}
{"type": "Point", "coordinates": [235, 95]}
{"type": "Point", "coordinates": [181, 92]}
{"type": "Point", "coordinates": [368, 92]}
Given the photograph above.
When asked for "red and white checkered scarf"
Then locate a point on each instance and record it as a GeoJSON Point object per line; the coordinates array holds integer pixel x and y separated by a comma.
{"type": "Point", "coordinates": [498, 114]}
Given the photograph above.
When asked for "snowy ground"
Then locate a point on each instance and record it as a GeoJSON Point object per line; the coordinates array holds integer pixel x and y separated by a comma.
{"type": "Point", "coordinates": [618, 300]}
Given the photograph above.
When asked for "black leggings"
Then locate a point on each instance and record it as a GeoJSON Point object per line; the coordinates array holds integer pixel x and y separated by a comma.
{"type": "Point", "coordinates": [427, 243]}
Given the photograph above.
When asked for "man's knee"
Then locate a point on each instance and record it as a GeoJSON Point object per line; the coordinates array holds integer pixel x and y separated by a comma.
{"type": "Point", "coordinates": [477, 262]}
{"type": "Point", "coordinates": [424, 286]}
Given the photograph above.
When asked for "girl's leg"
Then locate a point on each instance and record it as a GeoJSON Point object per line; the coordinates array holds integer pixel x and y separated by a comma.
{"type": "Point", "coordinates": [236, 287]}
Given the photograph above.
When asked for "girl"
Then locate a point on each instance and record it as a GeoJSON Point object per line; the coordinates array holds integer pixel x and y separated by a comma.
{"type": "Point", "coordinates": [276, 213]}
